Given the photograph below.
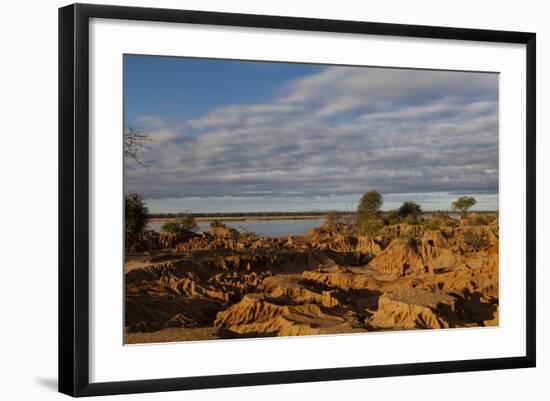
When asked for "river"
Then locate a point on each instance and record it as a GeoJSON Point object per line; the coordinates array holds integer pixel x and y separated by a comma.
{"type": "Point", "coordinates": [266, 228]}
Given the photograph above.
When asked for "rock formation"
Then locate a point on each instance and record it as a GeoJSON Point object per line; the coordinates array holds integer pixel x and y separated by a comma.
{"type": "Point", "coordinates": [225, 284]}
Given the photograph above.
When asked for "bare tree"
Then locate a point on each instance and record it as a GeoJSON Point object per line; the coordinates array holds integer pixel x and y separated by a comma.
{"type": "Point", "coordinates": [134, 141]}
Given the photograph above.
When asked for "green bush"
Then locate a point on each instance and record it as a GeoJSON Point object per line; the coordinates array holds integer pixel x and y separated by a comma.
{"type": "Point", "coordinates": [409, 209]}
{"type": "Point", "coordinates": [186, 223]}
{"type": "Point", "coordinates": [370, 203]}
{"type": "Point", "coordinates": [412, 220]}
{"type": "Point", "coordinates": [368, 208]}
{"type": "Point", "coordinates": [368, 219]}
{"type": "Point", "coordinates": [372, 226]}
{"type": "Point", "coordinates": [394, 218]}
{"type": "Point", "coordinates": [135, 214]}
{"type": "Point", "coordinates": [431, 224]}
{"type": "Point", "coordinates": [135, 221]}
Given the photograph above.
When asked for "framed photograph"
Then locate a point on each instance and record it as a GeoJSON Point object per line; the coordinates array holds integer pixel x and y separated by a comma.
{"type": "Point", "coordinates": [251, 199]}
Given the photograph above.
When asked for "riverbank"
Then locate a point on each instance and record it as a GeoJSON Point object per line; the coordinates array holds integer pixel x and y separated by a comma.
{"type": "Point", "coordinates": [264, 227]}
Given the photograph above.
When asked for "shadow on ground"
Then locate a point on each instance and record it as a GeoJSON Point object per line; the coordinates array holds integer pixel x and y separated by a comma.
{"type": "Point", "coordinates": [49, 383]}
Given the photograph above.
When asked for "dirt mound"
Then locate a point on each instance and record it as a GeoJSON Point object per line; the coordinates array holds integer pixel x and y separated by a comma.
{"type": "Point", "coordinates": [473, 238]}
{"type": "Point", "coordinates": [398, 230]}
{"type": "Point", "coordinates": [399, 258]}
{"type": "Point", "coordinates": [255, 315]}
{"type": "Point", "coordinates": [435, 251]}
{"type": "Point", "coordinates": [344, 279]}
{"type": "Point", "coordinates": [479, 274]}
{"type": "Point", "coordinates": [170, 240]}
{"type": "Point", "coordinates": [351, 244]}
{"type": "Point", "coordinates": [367, 244]}
{"type": "Point", "coordinates": [290, 289]}
{"type": "Point", "coordinates": [151, 309]}
{"type": "Point", "coordinates": [411, 309]}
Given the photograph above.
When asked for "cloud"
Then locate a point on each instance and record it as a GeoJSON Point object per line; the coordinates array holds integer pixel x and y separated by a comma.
{"type": "Point", "coordinates": [338, 132]}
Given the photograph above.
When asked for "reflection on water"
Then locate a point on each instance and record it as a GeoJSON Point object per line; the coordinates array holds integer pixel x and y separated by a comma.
{"type": "Point", "coordinates": [266, 228]}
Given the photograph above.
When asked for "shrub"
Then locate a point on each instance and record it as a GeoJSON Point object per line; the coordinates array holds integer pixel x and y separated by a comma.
{"type": "Point", "coordinates": [135, 220]}
{"type": "Point", "coordinates": [394, 217]}
{"type": "Point", "coordinates": [409, 209]}
{"type": "Point", "coordinates": [186, 223]}
{"type": "Point", "coordinates": [412, 220]}
{"type": "Point", "coordinates": [135, 214]}
{"type": "Point", "coordinates": [431, 224]}
{"type": "Point", "coordinates": [372, 226]}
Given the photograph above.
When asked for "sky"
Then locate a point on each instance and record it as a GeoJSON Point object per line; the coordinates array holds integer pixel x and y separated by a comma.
{"type": "Point", "coordinates": [244, 136]}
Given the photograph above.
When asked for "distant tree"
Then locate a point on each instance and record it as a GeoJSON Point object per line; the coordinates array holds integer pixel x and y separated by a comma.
{"type": "Point", "coordinates": [409, 209]}
{"type": "Point", "coordinates": [134, 141]}
{"type": "Point", "coordinates": [185, 223]}
{"type": "Point", "coordinates": [463, 204]}
{"type": "Point", "coordinates": [135, 213]}
{"type": "Point", "coordinates": [368, 210]}
{"type": "Point", "coordinates": [135, 219]}
{"type": "Point", "coordinates": [370, 203]}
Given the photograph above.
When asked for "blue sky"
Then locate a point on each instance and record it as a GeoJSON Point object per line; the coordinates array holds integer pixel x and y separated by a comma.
{"type": "Point", "coordinates": [254, 136]}
{"type": "Point", "coordinates": [184, 88]}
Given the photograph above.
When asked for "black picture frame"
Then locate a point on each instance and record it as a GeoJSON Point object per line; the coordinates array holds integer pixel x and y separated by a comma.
{"type": "Point", "coordinates": [74, 200]}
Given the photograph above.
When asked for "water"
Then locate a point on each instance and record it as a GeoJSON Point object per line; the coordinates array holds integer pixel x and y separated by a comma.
{"type": "Point", "coordinates": [266, 228]}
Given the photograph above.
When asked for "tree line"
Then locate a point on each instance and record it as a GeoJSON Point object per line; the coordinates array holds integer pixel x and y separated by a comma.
{"type": "Point", "coordinates": [370, 220]}
{"type": "Point", "coordinates": [367, 220]}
